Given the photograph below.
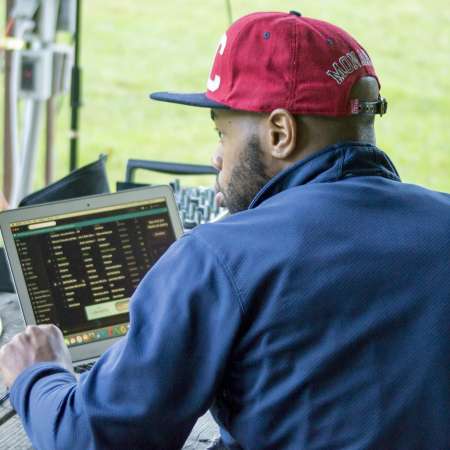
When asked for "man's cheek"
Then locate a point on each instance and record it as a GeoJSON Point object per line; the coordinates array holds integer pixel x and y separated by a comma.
{"type": "Point", "coordinates": [225, 176]}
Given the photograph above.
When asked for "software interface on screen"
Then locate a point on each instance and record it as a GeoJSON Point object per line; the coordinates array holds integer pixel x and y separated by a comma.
{"type": "Point", "coordinates": [82, 268]}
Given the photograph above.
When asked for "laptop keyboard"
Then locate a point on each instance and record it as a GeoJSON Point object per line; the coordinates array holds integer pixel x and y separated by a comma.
{"type": "Point", "coordinates": [83, 367]}
{"type": "Point", "coordinates": [196, 205]}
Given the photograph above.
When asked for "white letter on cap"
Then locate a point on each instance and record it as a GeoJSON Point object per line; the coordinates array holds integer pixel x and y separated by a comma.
{"type": "Point", "coordinates": [213, 85]}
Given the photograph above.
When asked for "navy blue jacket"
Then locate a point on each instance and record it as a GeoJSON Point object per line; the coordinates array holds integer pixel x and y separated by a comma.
{"type": "Point", "coordinates": [317, 319]}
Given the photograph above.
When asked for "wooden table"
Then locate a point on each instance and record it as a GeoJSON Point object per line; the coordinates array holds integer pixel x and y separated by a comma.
{"type": "Point", "coordinates": [202, 437]}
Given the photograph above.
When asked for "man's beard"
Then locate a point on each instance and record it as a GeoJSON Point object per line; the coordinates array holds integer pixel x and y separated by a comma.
{"type": "Point", "coordinates": [247, 178]}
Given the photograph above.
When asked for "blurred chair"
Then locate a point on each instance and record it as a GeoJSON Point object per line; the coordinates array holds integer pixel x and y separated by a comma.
{"type": "Point", "coordinates": [196, 205]}
{"type": "Point", "coordinates": [87, 180]}
{"type": "Point", "coordinates": [163, 167]}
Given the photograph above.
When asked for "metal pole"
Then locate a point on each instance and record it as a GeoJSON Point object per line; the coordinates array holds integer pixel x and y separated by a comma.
{"type": "Point", "coordinates": [7, 137]}
{"type": "Point", "coordinates": [75, 94]}
{"type": "Point", "coordinates": [50, 141]}
{"type": "Point", "coordinates": [30, 147]}
{"type": "Point", "coordinates": [48, 33]}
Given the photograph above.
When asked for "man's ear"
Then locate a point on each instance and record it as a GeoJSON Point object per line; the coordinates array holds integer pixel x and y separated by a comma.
{"type": "Point", "coordinates": [281, 136]}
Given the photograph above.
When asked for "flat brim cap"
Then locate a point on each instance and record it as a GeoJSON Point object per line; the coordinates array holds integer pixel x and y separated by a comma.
{"type": "Point", "coordinates": [196, 99]}
{"type": "Point", "coordinates": [270, 60]}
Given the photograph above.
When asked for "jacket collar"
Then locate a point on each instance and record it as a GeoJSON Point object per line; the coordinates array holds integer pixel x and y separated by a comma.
{"type": "Point", "coordinates": [338, 161]}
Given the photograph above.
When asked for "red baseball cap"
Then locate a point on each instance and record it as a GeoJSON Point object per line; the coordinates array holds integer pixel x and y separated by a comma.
{"type": "Point", "coordinates": [270, 60]}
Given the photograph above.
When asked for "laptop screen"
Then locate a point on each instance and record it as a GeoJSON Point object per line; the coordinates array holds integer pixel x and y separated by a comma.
{"type": "Point", "coordinates": [81, 268]}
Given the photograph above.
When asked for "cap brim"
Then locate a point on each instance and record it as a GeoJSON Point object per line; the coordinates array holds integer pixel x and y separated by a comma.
{"type": "Point", "coordinates": [198, 99]}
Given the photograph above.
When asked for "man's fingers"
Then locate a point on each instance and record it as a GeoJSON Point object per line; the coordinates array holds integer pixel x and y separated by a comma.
{"type": "Point", "coordinates": [36, 335]}
{"type": "Point", "coordinates": [37, 330]}
{"type": "Point", "coordinates": [50, 328]}
{"type": "Point", "coordinates": [37, 343]}
{"type": "Point", "coordinates": [55, 330]}
{"type": "Point", "coordinates": [21, 338]}
{"type": "Point", "coordinates": [31, 330]}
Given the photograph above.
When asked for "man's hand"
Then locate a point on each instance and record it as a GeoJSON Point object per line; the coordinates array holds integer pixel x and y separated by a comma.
{"type": "Point", "coordinates": [38, 343]}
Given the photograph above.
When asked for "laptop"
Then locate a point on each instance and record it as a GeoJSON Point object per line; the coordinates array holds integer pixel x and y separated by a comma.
{"type": "Point", "coordinates": [76, 263]}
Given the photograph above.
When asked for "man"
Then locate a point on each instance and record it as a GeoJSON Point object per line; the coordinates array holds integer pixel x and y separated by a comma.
{"type": "Point", "coordinates": [315, 316]}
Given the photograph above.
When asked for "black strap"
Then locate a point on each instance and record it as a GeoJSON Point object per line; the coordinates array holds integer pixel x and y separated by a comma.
{"type": "Point", "coordinates": [372, 108]}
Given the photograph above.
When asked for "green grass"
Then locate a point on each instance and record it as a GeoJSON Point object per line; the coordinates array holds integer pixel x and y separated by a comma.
{"type": "Point", "coordinates": [131, 48]}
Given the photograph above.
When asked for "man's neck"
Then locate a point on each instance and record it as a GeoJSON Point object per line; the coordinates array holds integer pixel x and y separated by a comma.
{"type": "Point", "coordinates": [316, 133]}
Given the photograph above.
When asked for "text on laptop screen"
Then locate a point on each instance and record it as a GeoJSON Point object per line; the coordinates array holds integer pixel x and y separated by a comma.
{"type": "Point", "coordinates": [82, 268]}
